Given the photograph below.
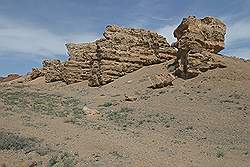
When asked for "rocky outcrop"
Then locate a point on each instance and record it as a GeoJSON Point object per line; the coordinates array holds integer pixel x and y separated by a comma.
{"type": "Point", "coordinates": [202, 39]}
{"type": "Point", "coordinates": [53, 70]}
{"type": "Point", "coordinates": [35, 73]}
{"type": "Point", "coordinates": [125, 50]}
{"type": "Point", "coordinates": [121, 51]}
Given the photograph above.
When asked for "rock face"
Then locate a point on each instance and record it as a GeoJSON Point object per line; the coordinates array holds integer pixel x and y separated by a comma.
{"type": "Point", "coordinates": [121, 51]}
{"type": "Point", "coordinates": [204, 38]}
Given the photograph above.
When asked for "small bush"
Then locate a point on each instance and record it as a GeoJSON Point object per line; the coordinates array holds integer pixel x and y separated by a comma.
{"type": "Point", "coordinates": [10, 141]}
{"type": "Point", "coordinates": [107, 104]}
{"type": "Point", "coordinates": [220, 153]}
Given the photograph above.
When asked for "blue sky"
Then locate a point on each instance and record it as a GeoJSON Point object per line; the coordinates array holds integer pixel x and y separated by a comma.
{"type": "Point", "coordinates": [33, 30]}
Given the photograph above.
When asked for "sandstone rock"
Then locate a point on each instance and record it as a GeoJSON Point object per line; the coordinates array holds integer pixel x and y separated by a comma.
{"type": "Point", "coordinates": [122, 51]}
{"type": "Point", "coordinates": [35, 73]}
{"type": "Point", "coordinates": [203, 39]}
{"type": "Point", "coordinates": [53, 70]}
{"type": "Point", "coordinates": [207, 34]}
{"type": "Point", "coordinates": [161, 80]}
{"type": "Point", "coordinates": [125, 50]}
{"type": "Point", "coordinates": [130, 98]}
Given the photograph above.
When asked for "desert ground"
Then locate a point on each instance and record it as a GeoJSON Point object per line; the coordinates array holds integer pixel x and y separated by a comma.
{"type": "Point", "coordinates": [199, 122]}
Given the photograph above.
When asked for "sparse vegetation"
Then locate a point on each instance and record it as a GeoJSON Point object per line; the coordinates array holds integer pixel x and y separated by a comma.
{"type": "Point", "coordinates": [10, 141]}
{"type": "Point", "coordinates": [245, 152]}
{"type": "Point", "coordinates": [20, 100]}
{"type": "Point", "coordinates": [107, 104]}
{"type": "Point", "coordinates": [219, 153]}
{"type": "Point", "coordinates": [62, 159]}
{"type": "Point", "coordinates": [120, 116]}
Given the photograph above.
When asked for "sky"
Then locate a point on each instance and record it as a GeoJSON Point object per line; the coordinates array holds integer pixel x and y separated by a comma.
{"type": "Point", "coordinates": [34, 30]}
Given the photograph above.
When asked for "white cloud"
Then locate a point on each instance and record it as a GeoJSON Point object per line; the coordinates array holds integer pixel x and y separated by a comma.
{"type": "Point", "coordinates": [237, 38]}
{"type": "Point", "coordinates": [167, 31]}
{"type": "Point", "coordinates": [238, 31]}
{"type": "Point", "coordinates": [34, 41]}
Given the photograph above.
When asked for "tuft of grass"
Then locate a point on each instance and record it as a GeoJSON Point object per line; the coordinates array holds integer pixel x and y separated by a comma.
{"type": "Point", "coordinates": [220, 153]}
{"type": "Point", "coordinates": [120, 116]}
{"type": "Point", "coordinates": [63, 159]}
{"type": "Point", "coordinates": [10, 141]}
{"type": "Point", "coordinates": [245, 152]}
{"type": "Point", "coordinates": [107, 104]}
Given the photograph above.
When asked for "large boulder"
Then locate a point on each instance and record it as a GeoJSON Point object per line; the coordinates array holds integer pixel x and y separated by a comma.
{"type": "Point", "coordinates": [203, 39]}
{"type": "Point", "coordinates": [207, 34]}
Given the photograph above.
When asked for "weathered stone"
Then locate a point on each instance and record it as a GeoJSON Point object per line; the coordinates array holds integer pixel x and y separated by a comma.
{"type": "Point", "coordinates": [35, 73]}
{"type": "Point", "coordinates": [130, 98]}
{"type": "Point", "coordinates": [198, 42]}
{"type": "Point", "coordinates": [122, 51]}
{"type": "Point", "coordinates": [161, 80]}
{"type": "Point", "coordinates": [207, 34]}
{"type": "Point", "coordinates": [125, 50]}
{"type": "Point", "coordinates": [53, 70]}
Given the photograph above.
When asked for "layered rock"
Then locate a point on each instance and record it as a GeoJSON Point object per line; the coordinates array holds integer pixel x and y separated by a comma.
{"type": "Point", "coordinates": [207, 34]}
{"type": "Point", "coordinates": [203, 39]}
{"type": "Point", "coordinates": [121, 51]}
{"type": "Point", "coordinates": [125, 50]}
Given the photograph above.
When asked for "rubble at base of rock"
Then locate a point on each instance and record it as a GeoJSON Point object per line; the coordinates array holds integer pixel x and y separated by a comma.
{"type": "Point", "coordinates": [125, 50]}
{"type": "Point", "coordinates": [161, 80]}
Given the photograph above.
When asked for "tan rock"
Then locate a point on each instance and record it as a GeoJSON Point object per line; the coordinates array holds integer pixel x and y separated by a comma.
{"type": "Point", "coordinates": [121, 51]}
{"type": "Point", "coordinates": [130, 98]}
{"type": "Point", "coordinates": [53, 70]}
{"type": "Point", "coordinates": [198, 42]}
{"type": "Point", "coordinates": [35, 73]}
{"type": "Point", "coordinates": [161, 80]}
{"type": "Point", "coordinates": [207, 34]}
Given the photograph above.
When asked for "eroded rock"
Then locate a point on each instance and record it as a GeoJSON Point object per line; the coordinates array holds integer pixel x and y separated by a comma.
{"type": "Point", "coordinates": [121, 51]}
{"type": "Point", "coordinates": [198, 42]}
{"type": "Point", "coordinates": [207, 34]}
{"type": "Point", "coordinates": [161, 80]}
{"type": "Point", "coordinates": [53, 70]}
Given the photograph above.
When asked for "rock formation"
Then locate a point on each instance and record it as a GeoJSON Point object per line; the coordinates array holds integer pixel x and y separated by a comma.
{"type": "Point", "coordinates": [121, 51]}
{"type": "Point", "coordinates": [203, 38]}
{"type": "Point", "coordinates": [125, 50]}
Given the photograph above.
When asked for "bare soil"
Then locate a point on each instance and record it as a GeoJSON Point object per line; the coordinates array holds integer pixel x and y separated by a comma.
{"type": "Point", "coordinates": [202, 121]}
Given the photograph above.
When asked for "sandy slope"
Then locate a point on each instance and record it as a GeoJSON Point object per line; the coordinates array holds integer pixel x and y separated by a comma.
{"type": "Point", "coordinates": [203, 121]}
